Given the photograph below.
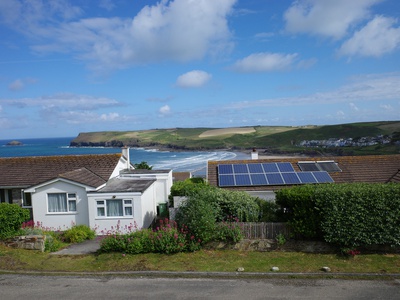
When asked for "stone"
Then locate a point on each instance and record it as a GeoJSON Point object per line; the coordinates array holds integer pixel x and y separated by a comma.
{"type": "Point", "coordinates": [274, 269]}
{"type": "Point", "coordinates": [326, 269]}
{"type": "Point", "coordinates": [240, 269]}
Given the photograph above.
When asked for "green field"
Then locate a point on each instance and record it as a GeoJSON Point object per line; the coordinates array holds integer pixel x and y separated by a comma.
{"type": "Point", "coordinates": [275, 139]}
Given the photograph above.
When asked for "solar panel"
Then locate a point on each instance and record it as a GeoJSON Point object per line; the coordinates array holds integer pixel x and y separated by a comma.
{"type": "Point", "coordinates": [322, 177]}
{"type": "Point", "coordinates": [270, 168]}
{"type": "Point", "coordinates": [258, 179]}
{"type": "Point", "coordinates": [306, 177]}
{"type": "Point", "coordinates": [281, 173]}
{"type": "Point", "coordinates": [225, 169]}
{"type": "Point", "coordinates": [226, 180]}
{"type": "Point", "coordinates": [274, 178]}
{"type": "Point", "coordinates": [285, 167]}
{"type": "Point", "coordinates": [240, 168]}
{"type": "Point", "coordinates": [329, 166]}
{"type": "Point", "coordinates": [290, 178]}
{"type": "Point", "coordinates": [255, 168]}
{"type": "Point", "coordinates": [308, 166]}
{"type": "Point", "coordinates": [242, 180]}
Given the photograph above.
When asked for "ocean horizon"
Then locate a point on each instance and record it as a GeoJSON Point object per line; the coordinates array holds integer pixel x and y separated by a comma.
{"type": "Point", "coordinates": [193, 161]}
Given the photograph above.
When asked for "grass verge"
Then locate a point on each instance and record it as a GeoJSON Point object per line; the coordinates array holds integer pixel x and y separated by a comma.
{"type": "Point", "coordinates": [200, 261]}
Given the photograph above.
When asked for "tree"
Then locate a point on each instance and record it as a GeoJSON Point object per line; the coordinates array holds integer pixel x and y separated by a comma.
{"type": "Point", "coordinates": [143, 166]}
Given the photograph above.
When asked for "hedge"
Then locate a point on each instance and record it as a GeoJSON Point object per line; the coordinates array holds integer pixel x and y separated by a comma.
{"type": "Point", "coordinates": [11, 218]}
{"type": "Point", "coordinates": [348, 215]}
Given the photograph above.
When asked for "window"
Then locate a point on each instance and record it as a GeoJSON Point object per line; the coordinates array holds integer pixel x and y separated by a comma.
{"type": "Point", "coordinates": [61, 202]}
{"type": "Point", "coordinates": [114, 208]}
{"type": "Point", "coordinates": [27, 199]}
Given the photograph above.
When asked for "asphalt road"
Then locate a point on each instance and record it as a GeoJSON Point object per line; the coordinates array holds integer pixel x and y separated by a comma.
{"type": "Point", "coordinates": [13, 286]}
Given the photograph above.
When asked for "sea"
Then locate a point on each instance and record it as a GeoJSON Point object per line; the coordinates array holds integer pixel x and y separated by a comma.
{"type": "Point", "coordinates": [193, 161]}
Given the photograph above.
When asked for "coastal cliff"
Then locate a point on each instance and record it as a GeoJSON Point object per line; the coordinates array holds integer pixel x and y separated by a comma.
{"type": "Point", "coordinates": [268, 139]}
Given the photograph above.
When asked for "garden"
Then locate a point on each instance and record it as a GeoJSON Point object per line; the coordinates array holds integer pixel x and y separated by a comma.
{"type": "Point", "coordinates": [359, 220]}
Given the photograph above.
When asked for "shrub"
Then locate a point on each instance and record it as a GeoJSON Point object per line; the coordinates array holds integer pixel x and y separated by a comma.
{"type": "Point", "coordinates": [78, 234]}
{"type": "Point", "coordinates": [299, 209]}
{"type": "Point", "coordinates": [167, 238]}
{"type": "Point", "coordinates": [188, 187]}
{"type": "Point", "coordinates": [360, 214]}
{"type": "Point", "coordinates": [11, 218]}
{"type": "Point", "coordinates": [229, 231]}
{"type": "Point", "coordinates": [53, 241]}
{"type": "Point", "coordinates": [200, 217]}
{"type": "Point", "coordinates": [269, 211]}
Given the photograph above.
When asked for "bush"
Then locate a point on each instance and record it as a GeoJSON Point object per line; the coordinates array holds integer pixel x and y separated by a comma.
{"type": "Point", "coordinates": [360, 214]}
{"type": "Point", "coordinates": [347, 215]}
{"type": "Point", "coordinates": [188, 187]}
{"type": "Point", "coordinates": [269, 211]}
{"type": "Point", "coordinates": [53, 241]}
{"type": "Point", "coordinates": [299, 209]}
{"type": "Point", "coordinates": [229, 231]}
{"type": "Point", "coordinates": [78, 234]}
{"type": "Point", "coordinates": [11, 218]}
{"type": "Point", "coordinates": [167, 238]}
{"type": "Point", "coordinates": [200, 217]}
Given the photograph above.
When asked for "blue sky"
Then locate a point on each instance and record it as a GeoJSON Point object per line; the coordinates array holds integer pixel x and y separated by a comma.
{"type": "Point", "coordinates": [100, 65]}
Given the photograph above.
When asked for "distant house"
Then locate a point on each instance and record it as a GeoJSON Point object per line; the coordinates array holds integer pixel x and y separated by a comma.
{"type": "Point", "coordinates": [262, 177]}
{"type": "Point", "coordinates": [100, 191]}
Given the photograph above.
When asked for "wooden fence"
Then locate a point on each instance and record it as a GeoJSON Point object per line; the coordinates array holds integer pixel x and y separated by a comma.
{"type": "Point", "coordinates": [261, 230]}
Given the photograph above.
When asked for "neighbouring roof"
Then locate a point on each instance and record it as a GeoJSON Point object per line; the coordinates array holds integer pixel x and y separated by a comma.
{"type": "Point", "coordinates": [368, 169]}
{"type": "Point", "coordinates": [23, 172]}
{"type": "Point", "coordinates": [181, 176]}
{"type": "Point", "coordinates": [124, 184]}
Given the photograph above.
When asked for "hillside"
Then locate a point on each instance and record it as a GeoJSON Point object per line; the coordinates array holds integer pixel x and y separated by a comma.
{"type": "Point", "coordinates": [274, 139]}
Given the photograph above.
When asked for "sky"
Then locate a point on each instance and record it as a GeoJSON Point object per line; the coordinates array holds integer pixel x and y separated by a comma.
{"type": "Point", "coordinates": [117, 65]}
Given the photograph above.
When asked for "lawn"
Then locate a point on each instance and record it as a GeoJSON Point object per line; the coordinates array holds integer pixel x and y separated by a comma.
{"type": "Point", "coordinates": [200, 261]}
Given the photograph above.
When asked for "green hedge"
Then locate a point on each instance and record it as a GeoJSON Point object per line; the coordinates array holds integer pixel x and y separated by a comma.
{"type": "Point", "coordinates": [11, 218]}
{"type": "Point", "coordinates": [349, 215]}
{"type": "Point", "coordinates": [356, 215]}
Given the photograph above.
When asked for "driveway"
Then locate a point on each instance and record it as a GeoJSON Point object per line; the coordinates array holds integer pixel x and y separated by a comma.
{"type": "Point", "coordinates": [86, 247]}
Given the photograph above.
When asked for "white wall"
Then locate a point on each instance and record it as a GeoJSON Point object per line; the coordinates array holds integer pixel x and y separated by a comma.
{"type": "Point", "coordinates": [143, 212]}
{"type": "Point", "coordinates": [59, 221]}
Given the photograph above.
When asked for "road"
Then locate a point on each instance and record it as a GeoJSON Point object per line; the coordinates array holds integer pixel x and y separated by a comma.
{"type": "Point", "coordinates": [13, 286]}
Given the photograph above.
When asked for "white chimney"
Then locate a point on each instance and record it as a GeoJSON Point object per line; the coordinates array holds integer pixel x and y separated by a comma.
{"type": "Point", "coordinates": [254, 154]}
{"type": "Point", "coordinates": [125, 153]}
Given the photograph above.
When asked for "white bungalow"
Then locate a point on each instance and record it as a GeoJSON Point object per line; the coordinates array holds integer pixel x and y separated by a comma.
{"type": "Point", "coordinates": [101, 191]}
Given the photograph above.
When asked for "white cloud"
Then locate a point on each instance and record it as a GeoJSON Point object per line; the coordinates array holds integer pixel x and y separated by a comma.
{"type": "Point", "coordinates": [178, 30]}
{"type": "Point", "coordinates": [353, 106]}
{"type": "Point", "coordinates": [264, 62]}
{"type": "Point", "coordinates": [193, 79]}
{"type": "Point", "coordinates": [109, 117]}
{"type": "Point", "coordinates": [378, 37]}
{"type": "Point", "coordinates": [329, 18]}
{"type": "Point", "coordinates": [164, 110]}
{"type": "Point", "coordinates": [16, 85]}
{"type": "Point", "coordinates": [386, 106]}
{"type": "Point", "coordinates": [64, 101]}
{"type": "Point", "coordinates": [363, 88]}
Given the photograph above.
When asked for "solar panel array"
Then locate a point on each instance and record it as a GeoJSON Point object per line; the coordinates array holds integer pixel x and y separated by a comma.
{"type": "Point", "coordinates": [329, 166]}
{"type": "Point", "coordinates": [281, 173]}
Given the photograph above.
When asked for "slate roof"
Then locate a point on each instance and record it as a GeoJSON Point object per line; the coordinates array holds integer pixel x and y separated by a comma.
{"type": "Point", "coordinates": [368, 169]}
{"type": "Point", "coordinates": [22, 172]}
{"type": "Point", "coordinates": [121, 185]}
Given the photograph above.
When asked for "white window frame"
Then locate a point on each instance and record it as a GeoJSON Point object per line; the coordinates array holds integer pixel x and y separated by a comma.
{"type": "Point", "coordinates": [71, 205]}
{"type": "Point", "coordinates": [101, 205]}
